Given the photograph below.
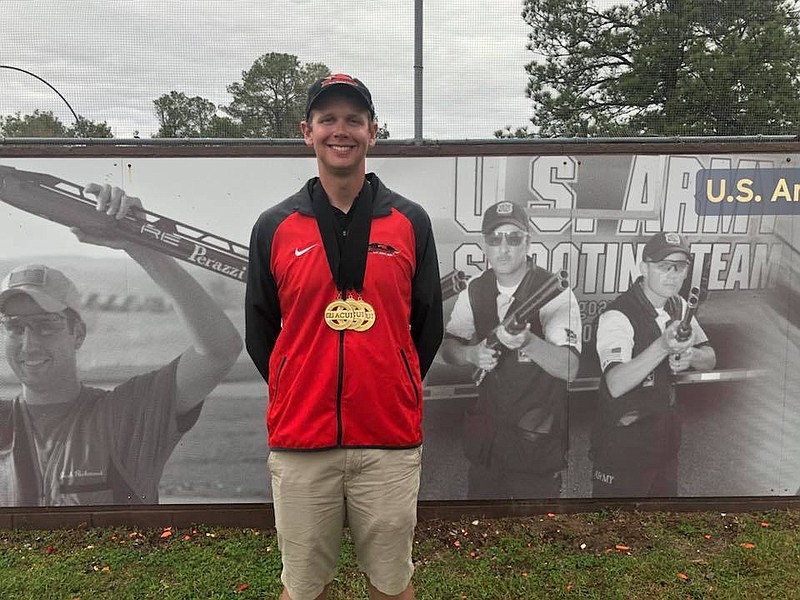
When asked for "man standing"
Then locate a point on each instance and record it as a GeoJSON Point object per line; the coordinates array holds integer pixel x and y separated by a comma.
{"type": "Point", "coordinates": [343, 319]}
{"type": "Point", "coordinates": [515, 438]}
{"type": "Point", "coordinates": [636, 437]}
{"type": "Point", "coordinates": [65, 443]}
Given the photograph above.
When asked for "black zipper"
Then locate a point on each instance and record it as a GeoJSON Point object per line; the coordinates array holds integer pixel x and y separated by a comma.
{"type": "Point", "coordinates": [339, 432]}
{"type": "Point", "coordinates": [410, 376]}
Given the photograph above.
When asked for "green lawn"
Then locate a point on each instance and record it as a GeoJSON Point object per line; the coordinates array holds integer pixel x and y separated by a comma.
{"type": "Point", "coordinates": [607, 555]}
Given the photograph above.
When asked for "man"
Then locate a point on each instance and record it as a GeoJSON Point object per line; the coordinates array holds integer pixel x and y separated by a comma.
{"type": "Point", "coordinates": [343, 319]}
{"type": "Point", "coordinates": [515, 438]}
{"type": "Point", "coordinates": [636, 436]}
{"type": "Point", "coordinates": [65, 443]}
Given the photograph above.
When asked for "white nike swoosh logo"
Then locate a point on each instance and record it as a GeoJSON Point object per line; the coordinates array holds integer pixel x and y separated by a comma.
{"type": "Point", "coordinates": [303, 251]}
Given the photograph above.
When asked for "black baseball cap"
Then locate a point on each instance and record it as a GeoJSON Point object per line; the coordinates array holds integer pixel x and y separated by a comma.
{"type": "Point", "coordinates": [504, 213]}
{"type": "Point", "coordinates": [324, 85]}
{"type": "Point", "coordinates": [663, 244]}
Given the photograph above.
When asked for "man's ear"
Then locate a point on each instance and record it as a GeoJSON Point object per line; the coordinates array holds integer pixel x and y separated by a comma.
{"type": "Point", "coordinates": [80, 333]}
{"type": "Point", "coordinates": [643, 269]}
{"type": "Point", "coordinates": [305, 128]}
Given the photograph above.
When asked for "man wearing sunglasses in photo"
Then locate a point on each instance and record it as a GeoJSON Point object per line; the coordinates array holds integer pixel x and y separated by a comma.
{"type": "Point", "coordinates": [66, 443]}
{"type": "Point", "coordinates": [637, 431]}
{"type": "Point", "coordinates": [516, 434]}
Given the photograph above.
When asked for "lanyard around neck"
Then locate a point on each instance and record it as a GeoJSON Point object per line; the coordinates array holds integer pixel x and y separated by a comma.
{"type": "Point", "coordinates": [348, 266]}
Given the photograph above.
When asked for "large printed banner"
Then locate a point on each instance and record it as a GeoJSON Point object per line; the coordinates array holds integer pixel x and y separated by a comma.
{"type": "Point", "coordinates": [131, 386]}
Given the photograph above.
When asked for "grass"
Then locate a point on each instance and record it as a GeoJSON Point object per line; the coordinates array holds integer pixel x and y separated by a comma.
{"type": "Point", "coordinates": [603, 556]}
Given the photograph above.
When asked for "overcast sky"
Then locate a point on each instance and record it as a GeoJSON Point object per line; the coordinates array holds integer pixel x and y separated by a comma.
{"type": "Point", "coordinates": [111, 58]}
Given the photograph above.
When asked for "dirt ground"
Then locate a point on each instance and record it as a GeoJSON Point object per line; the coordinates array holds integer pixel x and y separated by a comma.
{"type": "Point", "coordinates": [595, 533]}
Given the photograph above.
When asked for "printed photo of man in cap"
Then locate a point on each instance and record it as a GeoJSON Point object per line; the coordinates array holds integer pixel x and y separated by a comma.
{"type": "Point", "coordinates": [516, 436]}
{"type": "Point", "coordinates": [66, 443]}
{"type": "Point", "coordinates": [637, 432]}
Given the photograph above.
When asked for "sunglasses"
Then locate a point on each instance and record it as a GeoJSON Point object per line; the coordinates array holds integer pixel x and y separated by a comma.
{"type": "Point", "coordinates": [665, 266]}
{"type": "Point", "coordinates": [512, 238]}
{"type": "Point", "coordinates": [46, 325]}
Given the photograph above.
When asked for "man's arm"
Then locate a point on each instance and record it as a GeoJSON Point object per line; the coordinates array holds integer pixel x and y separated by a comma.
{"type": "Point", "coordinates": [622, 377]}
{"type": "Point", "coordinates": [262, 308]}
{"type": "Point", "coordinates": [704, 358]}
{"type": "Point", "coordinates": [461, 353]}
{"type": "Point", "coordinates": [215, 342]}
{"type": "Point", "coordinates": [561, 362]}
{"type": "Point", "coordinates": [427, 321]}
{"type": "Point", "coordinates": [558, 353]}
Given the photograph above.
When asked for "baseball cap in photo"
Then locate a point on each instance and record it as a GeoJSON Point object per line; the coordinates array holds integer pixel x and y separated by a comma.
{"type": "Point", "coordinates": [663, 244]}
{"type": "Point", "coordinates": [324, 85]}
{"type": "Point", "coordinates": [48, 287]}
{"type": "Point", "coordinates": [504, 213]}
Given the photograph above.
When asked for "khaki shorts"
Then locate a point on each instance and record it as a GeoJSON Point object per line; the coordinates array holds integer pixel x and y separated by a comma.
{"type": "Point", "coordinates": [313, 492]}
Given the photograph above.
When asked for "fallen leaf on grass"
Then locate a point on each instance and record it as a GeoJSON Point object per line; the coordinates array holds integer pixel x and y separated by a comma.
{"type": "Point", "coordinates": [683, 576]}
{"type": "Point", "coordinates": [764, 524]}
{"type": "Point", "coordinates": [747, 545]}
{"type": "Point", "coordinates": [621, 548]}
{"type": "Point", "coordinates": [242, 587]}
{"type": "Point", "coordinates": [551, 515]}
{"type": "Point", "coordinates": [49, 550]}
{"type": "Point", "coordinates": [707, 536]}
{"type": "Point", "coordinates": [167, 533]}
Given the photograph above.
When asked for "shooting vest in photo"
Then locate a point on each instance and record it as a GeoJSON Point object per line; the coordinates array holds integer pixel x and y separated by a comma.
{"type": "Point", "coordinates": [642, 421]}
{"type": "Point", "coordinates": [526, 405]}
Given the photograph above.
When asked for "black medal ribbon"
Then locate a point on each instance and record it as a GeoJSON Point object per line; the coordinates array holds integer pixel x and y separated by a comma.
{"type": "Point", "coordinates": [348, 265]}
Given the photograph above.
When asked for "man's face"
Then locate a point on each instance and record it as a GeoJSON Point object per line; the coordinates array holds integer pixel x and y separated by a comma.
{"type": "Point", "coordinates": [664, 278]}
{"type": "Point", "coordinates": [506, 249]}
{"type": "Point", "coordinates": [41, 347]}
{"type": "Point", "coordinates": [341, 131]}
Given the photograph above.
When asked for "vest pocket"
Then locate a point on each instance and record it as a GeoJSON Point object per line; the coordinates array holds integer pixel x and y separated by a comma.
{"type": "Point", "coordinates": [278, 375]}
{"type": "Point", "coordinates": [410, 375]}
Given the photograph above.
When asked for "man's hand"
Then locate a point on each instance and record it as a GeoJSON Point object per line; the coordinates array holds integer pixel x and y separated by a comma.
{"type": "Point", "coordinates": [483, 357]}
{"type": "Point", "coordinates": [513, 342]}
{"type": "Point", "coordinates": [115, 203]}
{"type": "Point", "coordinates": [670, 343]}
{"type": "Point", "coordinates": [681, 362]}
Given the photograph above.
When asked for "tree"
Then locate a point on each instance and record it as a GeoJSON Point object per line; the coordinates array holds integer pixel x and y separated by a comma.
{"type": "Point", "coordinates": [85, 128]}
{"type": "Point", "coordinates": [36, 125]}
{"type": "Point", "coordinates": [270, 99]}
{"type": "Point", "coordinates": [45, 124]}
{"type": "Point", "coordinates": [663, 67]}
{"type": "Point", "coordinates": [182, 116]}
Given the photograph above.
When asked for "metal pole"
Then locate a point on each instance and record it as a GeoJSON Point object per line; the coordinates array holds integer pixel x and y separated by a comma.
{"type": "Point", "coordinates": [74, 114]}
{"type": "Point", "coordinates": [418, 71]}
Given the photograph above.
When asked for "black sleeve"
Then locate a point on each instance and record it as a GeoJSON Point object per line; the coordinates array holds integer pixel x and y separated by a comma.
{"type": "Point", "coordinates": [427, 321]}
{"type": "Point", "coordinates": [262, 311]}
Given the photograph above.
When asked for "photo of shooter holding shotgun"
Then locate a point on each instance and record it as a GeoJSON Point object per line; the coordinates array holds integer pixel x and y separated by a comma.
{"type": "Point", "coordinates": [517, 325]}
{"type": "Point", "coordinates": [646, 336]}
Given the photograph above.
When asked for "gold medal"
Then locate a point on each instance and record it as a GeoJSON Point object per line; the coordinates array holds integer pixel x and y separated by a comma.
{"type": "Point", "coordinates": [359, 313]}
{"type": "Point", "coordinates": [339, 315]}
{"type": "Point", "coordinates": [368, 319]}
